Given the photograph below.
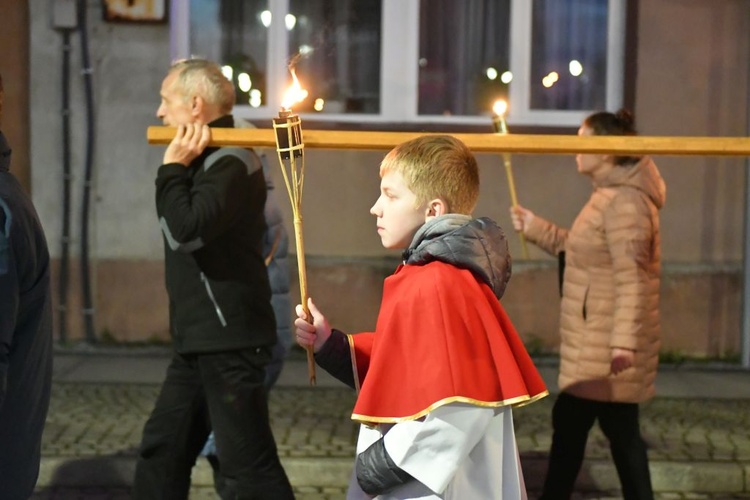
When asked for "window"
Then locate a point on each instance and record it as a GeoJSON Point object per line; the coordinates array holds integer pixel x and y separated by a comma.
{"type": "Point", "coordinates": [414, 61]}
{"type": "Point", "coordinates": [236, 35]}
{"type": "Point", "coordinates": [464, 56]}
{"type": "Point", "coordinates": [572, 61]}
{"type": "Point", "coordinates": [335, 47]}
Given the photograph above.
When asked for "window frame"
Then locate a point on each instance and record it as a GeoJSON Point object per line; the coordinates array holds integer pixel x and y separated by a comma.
{"type": "Point", "coordinates": [399, 79]}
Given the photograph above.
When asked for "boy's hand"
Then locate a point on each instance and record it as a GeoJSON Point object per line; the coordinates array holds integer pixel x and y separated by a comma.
{"type": "Point", "coordinates": [188, 143]}
{"type": "Point", "coordinates": [314, 334]}
{"type": "Point", "coordinates": [521, 217]}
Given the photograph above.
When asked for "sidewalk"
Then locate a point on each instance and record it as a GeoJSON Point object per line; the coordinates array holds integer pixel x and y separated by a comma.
{"type": "Point", "coordinates": [698, 430]}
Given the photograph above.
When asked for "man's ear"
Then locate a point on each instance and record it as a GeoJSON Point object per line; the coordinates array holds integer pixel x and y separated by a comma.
{"type": "Point", "coordinates": [197, 105]}
{"type": "Point", "coordinates": [435, 208]}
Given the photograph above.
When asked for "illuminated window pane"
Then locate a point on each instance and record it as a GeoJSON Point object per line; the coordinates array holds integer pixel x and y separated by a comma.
{"type": "Point", "coordinates": [335, 46]}
{"type": "Point", "coordinates": [235, 34]}
{"type": "Point", "coordinates": [569, 40]}
{"type": "Point", "coordinates": [462, 46]}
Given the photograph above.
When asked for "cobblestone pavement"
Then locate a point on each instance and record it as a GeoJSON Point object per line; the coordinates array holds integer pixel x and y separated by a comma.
{"type": "Point", "coordinates": [107, 419]}
{"type": "Point", "coordinates": [89, 420]}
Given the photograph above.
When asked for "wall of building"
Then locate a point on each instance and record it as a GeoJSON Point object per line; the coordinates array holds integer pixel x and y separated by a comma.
{"type": "Point", "coordinates": [692, 80]}
{"type": "Point", "coordinates": [14, 40]}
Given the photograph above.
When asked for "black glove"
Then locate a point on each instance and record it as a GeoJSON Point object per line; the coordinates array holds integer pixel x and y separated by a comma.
{"type": "Point", "coordinates": [376, 471]}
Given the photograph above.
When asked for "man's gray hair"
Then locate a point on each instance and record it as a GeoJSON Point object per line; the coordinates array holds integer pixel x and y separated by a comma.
{"type": "Point", "coordinates": [204, 78]}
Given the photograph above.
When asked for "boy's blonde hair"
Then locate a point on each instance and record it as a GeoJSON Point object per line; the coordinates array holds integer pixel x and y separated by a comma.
{"type": "Point", "coordinates": [437, 166]}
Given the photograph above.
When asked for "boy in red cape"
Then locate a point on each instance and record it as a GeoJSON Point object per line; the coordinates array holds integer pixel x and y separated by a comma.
{"type": "Point", "coordinates": [438, 377]}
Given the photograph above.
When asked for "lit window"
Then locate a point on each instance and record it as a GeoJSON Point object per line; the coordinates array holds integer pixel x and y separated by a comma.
{"type": "Point", "coordinates": [412, 61]}
{"type": "Point", "coordinates": [234, 34]}
{"type": "Point", "coordinates": [561, 33]}
{"type": "Point", "coordinates": [570, 61]}
{"type": "Point", "coordinates": [460, 41]}
{"type": "Point", "coordinates": [332, 47]}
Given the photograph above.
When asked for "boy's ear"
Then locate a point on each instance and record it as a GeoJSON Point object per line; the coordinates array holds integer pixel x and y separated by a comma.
{"type": "Point", "coordinates": [435, 208]}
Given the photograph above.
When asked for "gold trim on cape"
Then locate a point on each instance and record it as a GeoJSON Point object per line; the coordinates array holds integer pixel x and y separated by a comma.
{"type": "Point", "coordinates": [517, 402]}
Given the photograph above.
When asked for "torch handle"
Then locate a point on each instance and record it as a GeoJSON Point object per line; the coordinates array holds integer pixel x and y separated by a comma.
{"type": "Point", "coordinates": [514, 200]}
{"type": "Point", "coordinates": [303, 290]}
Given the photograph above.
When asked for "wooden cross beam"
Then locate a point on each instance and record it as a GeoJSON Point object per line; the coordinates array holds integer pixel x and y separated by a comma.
{"type": "Point", "coordinates": [483, 143]}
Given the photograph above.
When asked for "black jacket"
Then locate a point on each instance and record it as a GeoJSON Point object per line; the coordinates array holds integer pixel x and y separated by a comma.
{"type": "Point", "coordinates": [211, 215]}
{"type": "Point", "coordinates": [25, 336]}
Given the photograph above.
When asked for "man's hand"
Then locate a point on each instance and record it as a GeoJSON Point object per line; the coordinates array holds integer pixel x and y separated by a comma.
{"type": "Point", "coordinates": [622, 359]}
{"type": "Point", "coordinates": [314, 334]}
{"type": "Point", "coordinates": [188, 143]}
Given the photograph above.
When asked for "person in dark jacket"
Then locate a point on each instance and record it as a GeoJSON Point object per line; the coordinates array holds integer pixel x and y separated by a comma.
{"type": "Point", "coordinates": [210, 206]}
{"type": "Point", "coordinates": [25, 334]}
{"type": "Point", "coordinates": [275, 253]}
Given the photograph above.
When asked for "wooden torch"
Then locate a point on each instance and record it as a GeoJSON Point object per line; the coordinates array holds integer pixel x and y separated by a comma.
{"type": "Point", "coordinates": [291, 152]}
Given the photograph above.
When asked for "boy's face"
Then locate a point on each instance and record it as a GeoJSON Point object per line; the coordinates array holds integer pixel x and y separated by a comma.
{"type": "Point", "coordinates": [397, 212]}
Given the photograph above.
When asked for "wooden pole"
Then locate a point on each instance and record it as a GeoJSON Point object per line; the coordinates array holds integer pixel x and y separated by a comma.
{"type": "Point", "coordinates": [501, 127]}
{"type": "Point", "coordinates": [484, 143]}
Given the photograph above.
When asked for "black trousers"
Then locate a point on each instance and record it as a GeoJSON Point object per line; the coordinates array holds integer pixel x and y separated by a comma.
{"type": "Point", "coordinates": [223, 391]}
{"type": "Point", "coordinates": [572, 419]}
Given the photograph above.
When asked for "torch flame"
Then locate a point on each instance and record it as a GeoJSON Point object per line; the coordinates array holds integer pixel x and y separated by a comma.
{"type": "Point", "coordinates": [294, 94]}
{"type": "Point", "coordinates": [500, 107]}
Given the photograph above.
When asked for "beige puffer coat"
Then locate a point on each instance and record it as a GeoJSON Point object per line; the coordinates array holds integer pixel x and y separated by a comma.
{"type": "Point", "coordinates": [611, 285]}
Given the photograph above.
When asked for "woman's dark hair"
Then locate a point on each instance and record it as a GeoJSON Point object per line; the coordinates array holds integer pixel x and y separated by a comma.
{"type": "Point", "coordinates": [619, 123]}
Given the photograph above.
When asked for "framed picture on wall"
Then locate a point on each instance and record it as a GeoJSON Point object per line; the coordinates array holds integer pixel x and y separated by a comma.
{"type": "Point", "coordinates": [135, 11]}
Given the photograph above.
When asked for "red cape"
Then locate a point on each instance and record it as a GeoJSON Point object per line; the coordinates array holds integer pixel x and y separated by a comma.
{"type": "Point", "coordinates": [441, 337]}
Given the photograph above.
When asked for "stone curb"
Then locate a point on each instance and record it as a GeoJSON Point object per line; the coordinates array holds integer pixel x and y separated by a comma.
{"type": "Point", "coordinates": [596, 475]}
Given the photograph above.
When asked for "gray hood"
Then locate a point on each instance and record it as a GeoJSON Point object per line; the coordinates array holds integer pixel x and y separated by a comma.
{"type": "Point", "coordinates": [478, 245]}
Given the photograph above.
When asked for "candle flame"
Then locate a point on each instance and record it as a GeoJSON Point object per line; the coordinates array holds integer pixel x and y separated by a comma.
{"type": "Point", "coordinates": [295, 93]}
{"type": "Point", "coordinates": [500, 107]}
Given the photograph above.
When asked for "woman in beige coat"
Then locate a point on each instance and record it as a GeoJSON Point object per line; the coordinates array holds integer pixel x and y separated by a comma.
{"type": "Point", "coordinates": [609, 319]}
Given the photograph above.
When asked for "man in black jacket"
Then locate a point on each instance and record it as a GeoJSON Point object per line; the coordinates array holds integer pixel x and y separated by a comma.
{"type": "Point", "coordinates": [25, 334]}
{"type": "Point", "coordinates": [210, 207]}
